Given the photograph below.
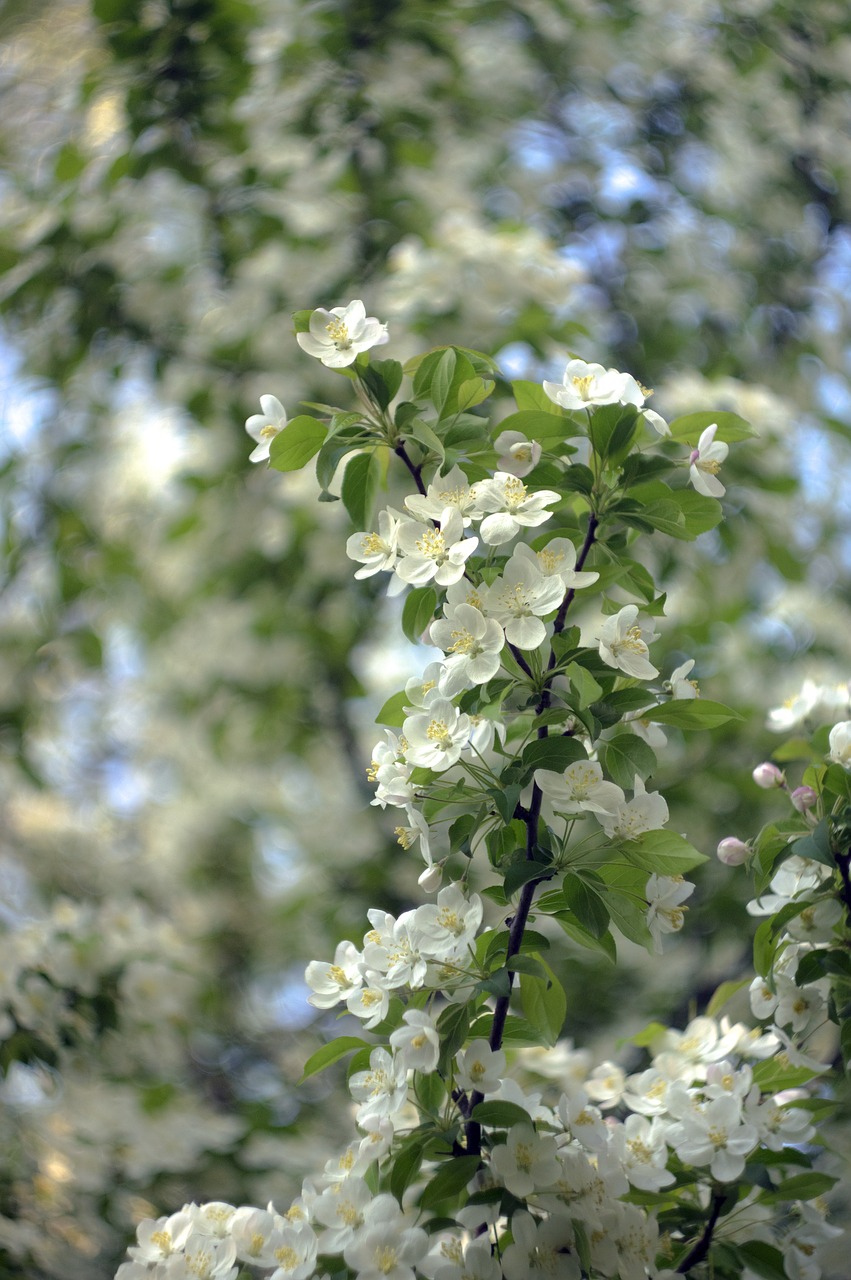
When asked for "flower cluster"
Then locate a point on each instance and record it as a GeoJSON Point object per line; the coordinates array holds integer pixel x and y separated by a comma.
{"type": "Point", "coordinates": [520, 760]}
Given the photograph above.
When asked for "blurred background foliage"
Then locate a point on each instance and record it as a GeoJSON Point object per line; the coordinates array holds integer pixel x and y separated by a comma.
{"type": "Point", "coordinates": [190, 674]}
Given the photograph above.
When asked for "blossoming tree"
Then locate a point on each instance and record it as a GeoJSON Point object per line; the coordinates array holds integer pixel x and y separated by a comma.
{"type": "Point", "coordinates": [520, 760]}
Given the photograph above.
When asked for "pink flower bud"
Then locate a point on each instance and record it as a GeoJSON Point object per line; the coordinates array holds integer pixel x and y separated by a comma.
{"type": "Point", "coordinates": [803, 798]}
{"type": "Point", "coordinates": [733, 852]}
{"type": "Point", "coordinates": [767, 775]}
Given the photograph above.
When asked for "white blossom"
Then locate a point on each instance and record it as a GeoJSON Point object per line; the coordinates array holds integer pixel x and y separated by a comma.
{"type": "Point", "coordinates": [507, 507]}
{"type": "Point", "coordinates": [584, 385]}
{"type": "Point", "coordinates": [519, 599]}
{"type": "Point", "coordinates": [623, 644]}
{"type": "Point", "coordinates": [705, 463]}
{"type": "Point", "coordinates": [473, 645]}
{"type": "Point", "coordinates": [518, 456]}
{"type": "Point", "coordinates": [263, 427]}
{"type": "Point", "coordinates": [428, 553]}
{"type": "Point", "coordinates": [337, 336]}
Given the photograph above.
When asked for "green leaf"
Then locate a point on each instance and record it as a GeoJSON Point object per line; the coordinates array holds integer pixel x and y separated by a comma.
{"type": "Point", "coordinates": [552, 753]}
{"type": "Point", "coordinates": [452, 1027]}
{"type": "Point", "coordinates": [406, 1166]}
{"type": "Point", "coordinates": [524, 870]}
{"type": "Point", "coordinates": [418, 611]}
{"type": "Point", "coordinates": [360, 481]}
{"type": "Point", "coordinates": [301, 321]}
{"type": "Point", "coordinates": [473, 392]}
{"type": "Point", "coordinates": [499, 1115]}
{"type": "Point", "coordinates": [579, 478]}
{"type": "Point", "coordinates": [701, 512]}
{"type": "Point", "coordinates": [648, 1035]}
{"type": "Point", "coordinates": [803, 1186]}
{"type": "Point", "coordinates": [392, 713]}
{"type": "Point", "coordinates": [691, 713]}
{"type": "Point", "coordinates": [816, 845]}
{"type": "Point", "coordinates": [580, 935]}
{"type": "Point", "coordinates": [731, 427]}
{"type": "Point", "coordinates": [663, 853]}
{"type": "Point", "coordinates": [544, 1004]}
{"type": "Point", "coordinates": [441, 380]}
{"type": "Point", "coordinates": [430, 1091]}
{"type": "Point", "coordinates": [722, 994]}
{"type": "Point", "coordinates": [450, 1179]}
{"type": "Point", "coordinates": [531, 396]}
{"type": "Point", "coordinates": [774, 1075]}
{"type": "Point", "coordinates": [612, 428]}
{"type": "Point", "coordinates": [627, 755]}
{"type": "Point", "coordinates": [586, 904]}
{"type": "Point", "coordinates": [586, 687]}
{"type": "Point", "coordinates": [390, 374]}
{"type": "Point", "coordinates": [300, 440]}
{"type": "Point", "coordinates": [763, 1258]}
{"type": "Point", "coordinates": [331, 1053]}
{"type": "Point", "coordinates": [420, 431]}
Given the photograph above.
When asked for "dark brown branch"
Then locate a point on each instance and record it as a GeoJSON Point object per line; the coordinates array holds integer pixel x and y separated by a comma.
{"type": "Point", "coordinates": [700, 1249]}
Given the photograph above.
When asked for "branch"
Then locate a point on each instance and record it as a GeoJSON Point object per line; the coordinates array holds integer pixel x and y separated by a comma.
{"type": "Point", "coordinates": [701, 1248]}
{"type": "Point", "coordinates": [415, 471]}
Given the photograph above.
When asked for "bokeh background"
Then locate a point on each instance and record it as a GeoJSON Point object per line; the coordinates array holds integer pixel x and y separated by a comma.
{"type": "Point", "coordinates": [189, 672]}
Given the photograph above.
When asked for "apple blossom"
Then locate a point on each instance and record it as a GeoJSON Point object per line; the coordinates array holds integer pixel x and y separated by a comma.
{"type": "Point", "coordinates": [803, 798]}
{"type": "Point", "coordinates": [263, 427]}
{"type": "Point", "coordinates": [518, 456]}
{"type": "Point", "coordinates": [337, 336]}
{"type": "Point", "coordinates": [507, 507]}
{"type": "Point", "coordinates": [519, 599]}
{"type": "Point", "coordinates": [556, 560]}
{"type": "Point", "coordinates": [705, 463]}
{"type": "Point", "coordinates": [437, 735]}
{"type": "Point", "coordinates": [450, 490]}
{"type": "Point", "coordinates": [473, 645]}
{"type": "Point", "coordinates": [623, 644]}
{"type": "Point", "coordinates": [840, 743]}
{"type": "Point", "coordinates": [584, 385]}
{"type": "Point", "coordinates": [428, 553]}
{"type": "Point", "coordinates": [377, 552]}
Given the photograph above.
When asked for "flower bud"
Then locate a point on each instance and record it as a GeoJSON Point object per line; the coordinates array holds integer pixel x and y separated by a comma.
{"type": "Point", "coordinates": [803, 798]}
{"type": "Point", "coordinates": [767, 775]}
{"type": "Point", "coordinates": [430, 879]}
{"type": "Point", "coordinates": [733, 852]}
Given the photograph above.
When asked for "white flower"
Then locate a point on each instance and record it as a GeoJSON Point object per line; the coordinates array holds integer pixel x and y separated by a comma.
{"type": "Point", "coordinates": [705, 463]}
{"type": "Point", "coordinates": [382, 1090]}
{"type": "Point", "coordinates": [540, 1250]}
{"type": "Point", "coordinates": [840, 743]}
{"type": "Point", "coordinates": [556, 560]}
{"type": "Point", "coordinates": [417, 1043]}
{"type": "Point", "coordinates": [589, 384]}
{"type": "Point", "coordinates": [511, 505]}
{"type": "Point", "coordinates": [519, 599]}
{"type": "Point", "coordinates": [369, 1003]}
{"type": "Point", "coordinates": [331, 983]}
{"type": "Point", "coordinates": [450, 490]}
{"type": "Point", "coordinates": [623, 644]}
{"type": "Point", "coordinates": [580, 789]}
{"type": "Point", "coordinates": [472, 643]}
{"type": "Point", "coordinates": [376, 551]}
{"type": "Point", "coordinates": [208, 1257]}
{"type": "Point", "coordinates": [263, 427]}
{"type": "Point", "coordinates": [526, 1161]}
{"type": "Point", "coordinates": [644, 1153]}
{"type": "Point", "coordinates": [816, 703]}
{"type": "Point", "coordinates": [679, 684]}
{"type": "Point", "coordinates": [518, 456]}
{"type": "Point", "coordinates": [480, 1068]}
{"type": "Point", "coordinates": [431, 553]}
{"type": "Point", "coordinates": [255, 1234]}
{"type": "Point", "coordinates": [436, 736]}
{"type": "Point", "coordinates": [715, 1135]}
{"type": "Point", "coordinates": [478, 1264]}
{"type": "Point", "coordinates": [340, 1210]}
{"type": "Point", "coordinates": [161, 1238]}
{"type": "Point", "coordinates": [381, 1251]}
{"type": "Point", "coordinates": [646, 811]}
{"type": "Point", "coordinates": [665, 914]}
{"type": "Point", "coordinates": [296, 1252]}
{"type": "Point", "coordinates": [450, 924]}
{"type": "Point", "coordinates": [337, 336]}
{"type": "Point", "coordinates": [606, 1084]}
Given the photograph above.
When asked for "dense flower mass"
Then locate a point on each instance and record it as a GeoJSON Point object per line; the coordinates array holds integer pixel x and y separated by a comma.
{"type": "Point", "coordinates": [521, 767]}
